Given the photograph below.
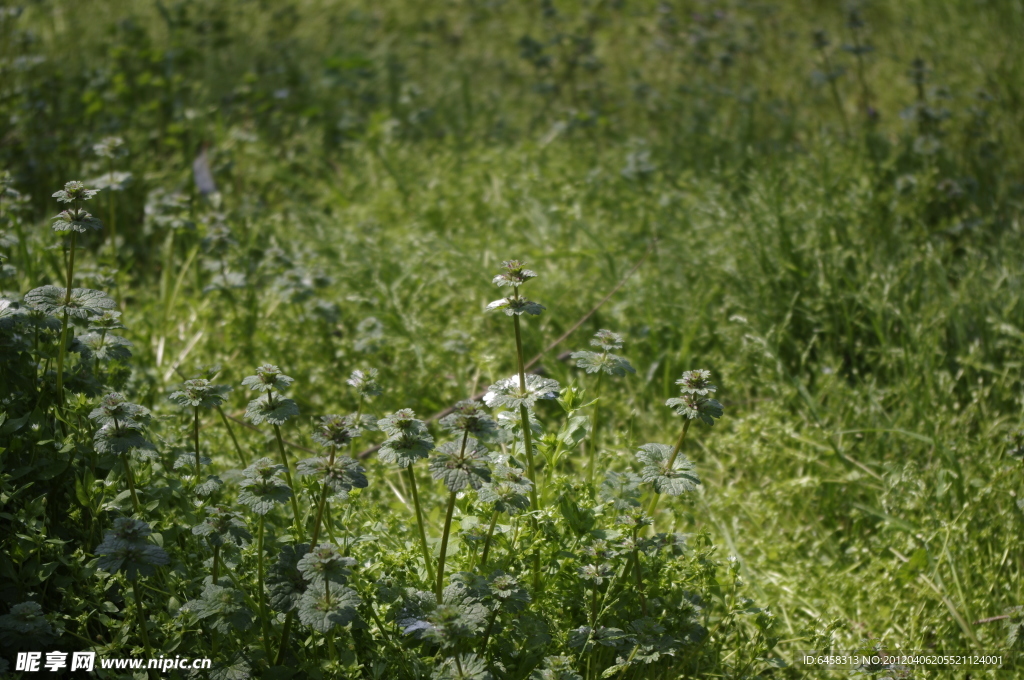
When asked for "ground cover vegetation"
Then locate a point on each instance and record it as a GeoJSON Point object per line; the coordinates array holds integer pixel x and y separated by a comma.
{"type": "Point", "coordinates": [548, 340]}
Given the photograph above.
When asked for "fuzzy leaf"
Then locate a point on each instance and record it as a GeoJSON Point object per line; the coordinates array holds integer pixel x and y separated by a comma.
{"type": "Point", "coordinates": [610, 364]}
{"type": "Point", "coordinates": [325, 563]}
{"type": "Point", "coordinates": [221, 526]}
{"type": "Point", "coordinates": [675, 481]}
{"type": "Point", "coordinates": [340, 476]}
{"type": "Point", "coordinates": [404, 450]}
{"type": "Point", "coordinates": [225, 606]}
{"type": "Point", "coordinates": [126, 548]}
{"type": "Point", "coordinates": [461, 466]}
{"type": "Point", "coordinates": [268, 377]}
{"type": "Point", "coordinates": [78, 220]}
{"type": "Point", "coordinates": [517, 306]}
{"type": "Point", "coordinates": [84, 302]}
{"type": "Point", "coordinates": [508, 394]}
{"type": "Point", "coordinates": [325, 606]}
{"type": "Point", "coordinates": [285, 583]}
{"type": "Point", "coordinates": [277, 412]}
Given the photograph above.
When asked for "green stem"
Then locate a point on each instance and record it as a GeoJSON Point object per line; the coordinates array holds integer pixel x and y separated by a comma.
{"type": "Point", "coordinates": [524, 416]}
{"type": "Point", "coordinates": [195, 431]}
{"type": "Point", "coordinates": [330, 631]}
{"type": "Point", "coordinates": [64, 323]}
{"type": "Point", "coordinates": [593, 431]}
{"type": "Point", "coordinates": [320, 510]}
{"type": "Point", "coordinates": [140, 618]}
{"type": "Point", "coordinates": [439, 588]}
{"type": "Point", "coordinates": [285, 634]}
{"type": "Point", "coordinates": [639, 576]}
{"type": "Point", "coordinates": [419, 522]}
{"type": "Point", "coordinates": [231, 433]}
{"type": "Point", "coordinates": [288, 475]}
{"type": "Point", "coordinates": [671, 462]}
{"type": "Point", "coordinates": [447, 529]}
{"type": "Point", "coordinates": [487, 633]}
{"type": "Point", "coordinates": [359, 422]}
{"type": "Point", "coordinates": [130, 477]}
{"type": "Point", "coordinates": [112, 236]}
{"type": "Point", "coordinates": [216, 564]}
{"type": "Point", "coordinates": [487, 541]}
{"type": "Point", "coordinates": [264, 616]}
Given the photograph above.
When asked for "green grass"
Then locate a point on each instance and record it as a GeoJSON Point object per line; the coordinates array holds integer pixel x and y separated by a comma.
{"type": "Point", "coordinates": [857, 294]}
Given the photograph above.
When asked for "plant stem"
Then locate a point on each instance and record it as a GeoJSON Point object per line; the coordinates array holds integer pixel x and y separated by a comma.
{"type": "Point", "coordinates": [671, 462]}
{"type": "Point", "coordinates": [439, 588]}
{"type": "Point", "coordinates": [64, 323]}
{"type": "Point", "coordinates": [264, 617]}
{"type": "Point", "coordinates": [195, 430]}
{"type": "Point", "coordinates": [639, 575]}
{"type": "Point", "coordinates": [419, 522]}
{"type": "Point", "coordinates": [487, 541]}
{"type": "Point", "coordinates": [330, 631]}
{"type": "Point", "coordinates": [525, 416]}
{"type": "Point", "coordinates": [528, 445]}
{"type": "Point", "coordinates": [320, 510]}
{"type": "Point", "coordinates": [231, 433]}
{"type": "Point", "coordinates": [593, 431]}
{"type": "Point", "coordinates": [112, 234]}
{"type": "Point", "coordinates": [359, 422]}
{"type": "Point", "coordinates": [140, 618]}
{"type": "Point", "coordinates": [285, 633]}
{"type": "Point", "coordinates": [447, 529]}
{"type": "Point", "coordinates": [287, 473]}
{"type": "Point", "coordinates": [130, 477]}
{"type": "Point", "coordinates": [487, 633]}
{"type": "Point", "coordinates": [216, 564]}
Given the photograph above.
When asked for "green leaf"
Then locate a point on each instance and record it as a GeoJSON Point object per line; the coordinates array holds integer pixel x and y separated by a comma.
{"type": "Point", "coordinates": [285, 583]}
{"type": "Point", "coordinates": [84, 302]}
{"type": "Point", "coordinates": [225, 607]}
{"type": "Point", "coordinates": [461, 465]}
{"type": "Point", "coordinates": [325, 606]}
{"type": "Point", "coordinates": [675, 481]}
{"type": "Point", "coordinates": [276, 412]}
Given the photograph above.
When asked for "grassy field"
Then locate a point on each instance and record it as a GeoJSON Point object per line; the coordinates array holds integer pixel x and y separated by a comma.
{"type": "Point", "coordinates": [819, 203]}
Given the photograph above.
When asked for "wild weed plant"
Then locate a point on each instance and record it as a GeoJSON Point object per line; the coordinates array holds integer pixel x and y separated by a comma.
{"type": "Point", "coordinates": [829, 220]}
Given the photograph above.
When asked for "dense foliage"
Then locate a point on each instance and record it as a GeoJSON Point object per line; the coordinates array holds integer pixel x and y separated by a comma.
{"type": "Point", "coordinates": [248, 248]}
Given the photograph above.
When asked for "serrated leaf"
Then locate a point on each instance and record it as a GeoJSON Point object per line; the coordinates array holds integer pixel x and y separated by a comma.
{"type": "Point", "coordinates": [675, 481]}
{"type": "Point", "coordinates": [276, 412]}
{"type": "Point", "coordinates": [84, 302]}
{"type": "Point", "coordinates": [325, 606]}
{"type": "Point", "coordinates": [285, 583]}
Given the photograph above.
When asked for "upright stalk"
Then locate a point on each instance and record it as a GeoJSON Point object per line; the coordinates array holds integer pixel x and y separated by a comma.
{"type": "Point", "coordinates": [527, 442]}
{"type": "Point", "coordinates": [110, 209]}
{"type": "Point", "coordinates": [487, 541]}
{"type": "Point", "coordinates": [216, 564]}
{"type": "Point", "coordinates": [64, 323]}
{"type": "Point", "coordinates": [419, 523]}
{"type": "Point", "coordinates": [264, 616]}
{"type": "Point", "coordinates": [439, 589]}
{"type": "Point", "coordinates": [593, 430]}
{"type": "Point", "coordinates": [285, 633]}
{"type": "Point", "coordinates": [195, 432]}
{"type": "Point", "coordinates": [639, 574]}
{"type": "Point", "coordinates": [287, 472]}
{"type": "Point", "coordinates": [231, 433]}
{"type": "Point", "coordinates": [525, 416]}
{"type": "Point", "coordinates": [320, 509]}
{"type": "Point", "coordinates": [140, 618]}
{"type": "Point", "coordinates": [671, 462]}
